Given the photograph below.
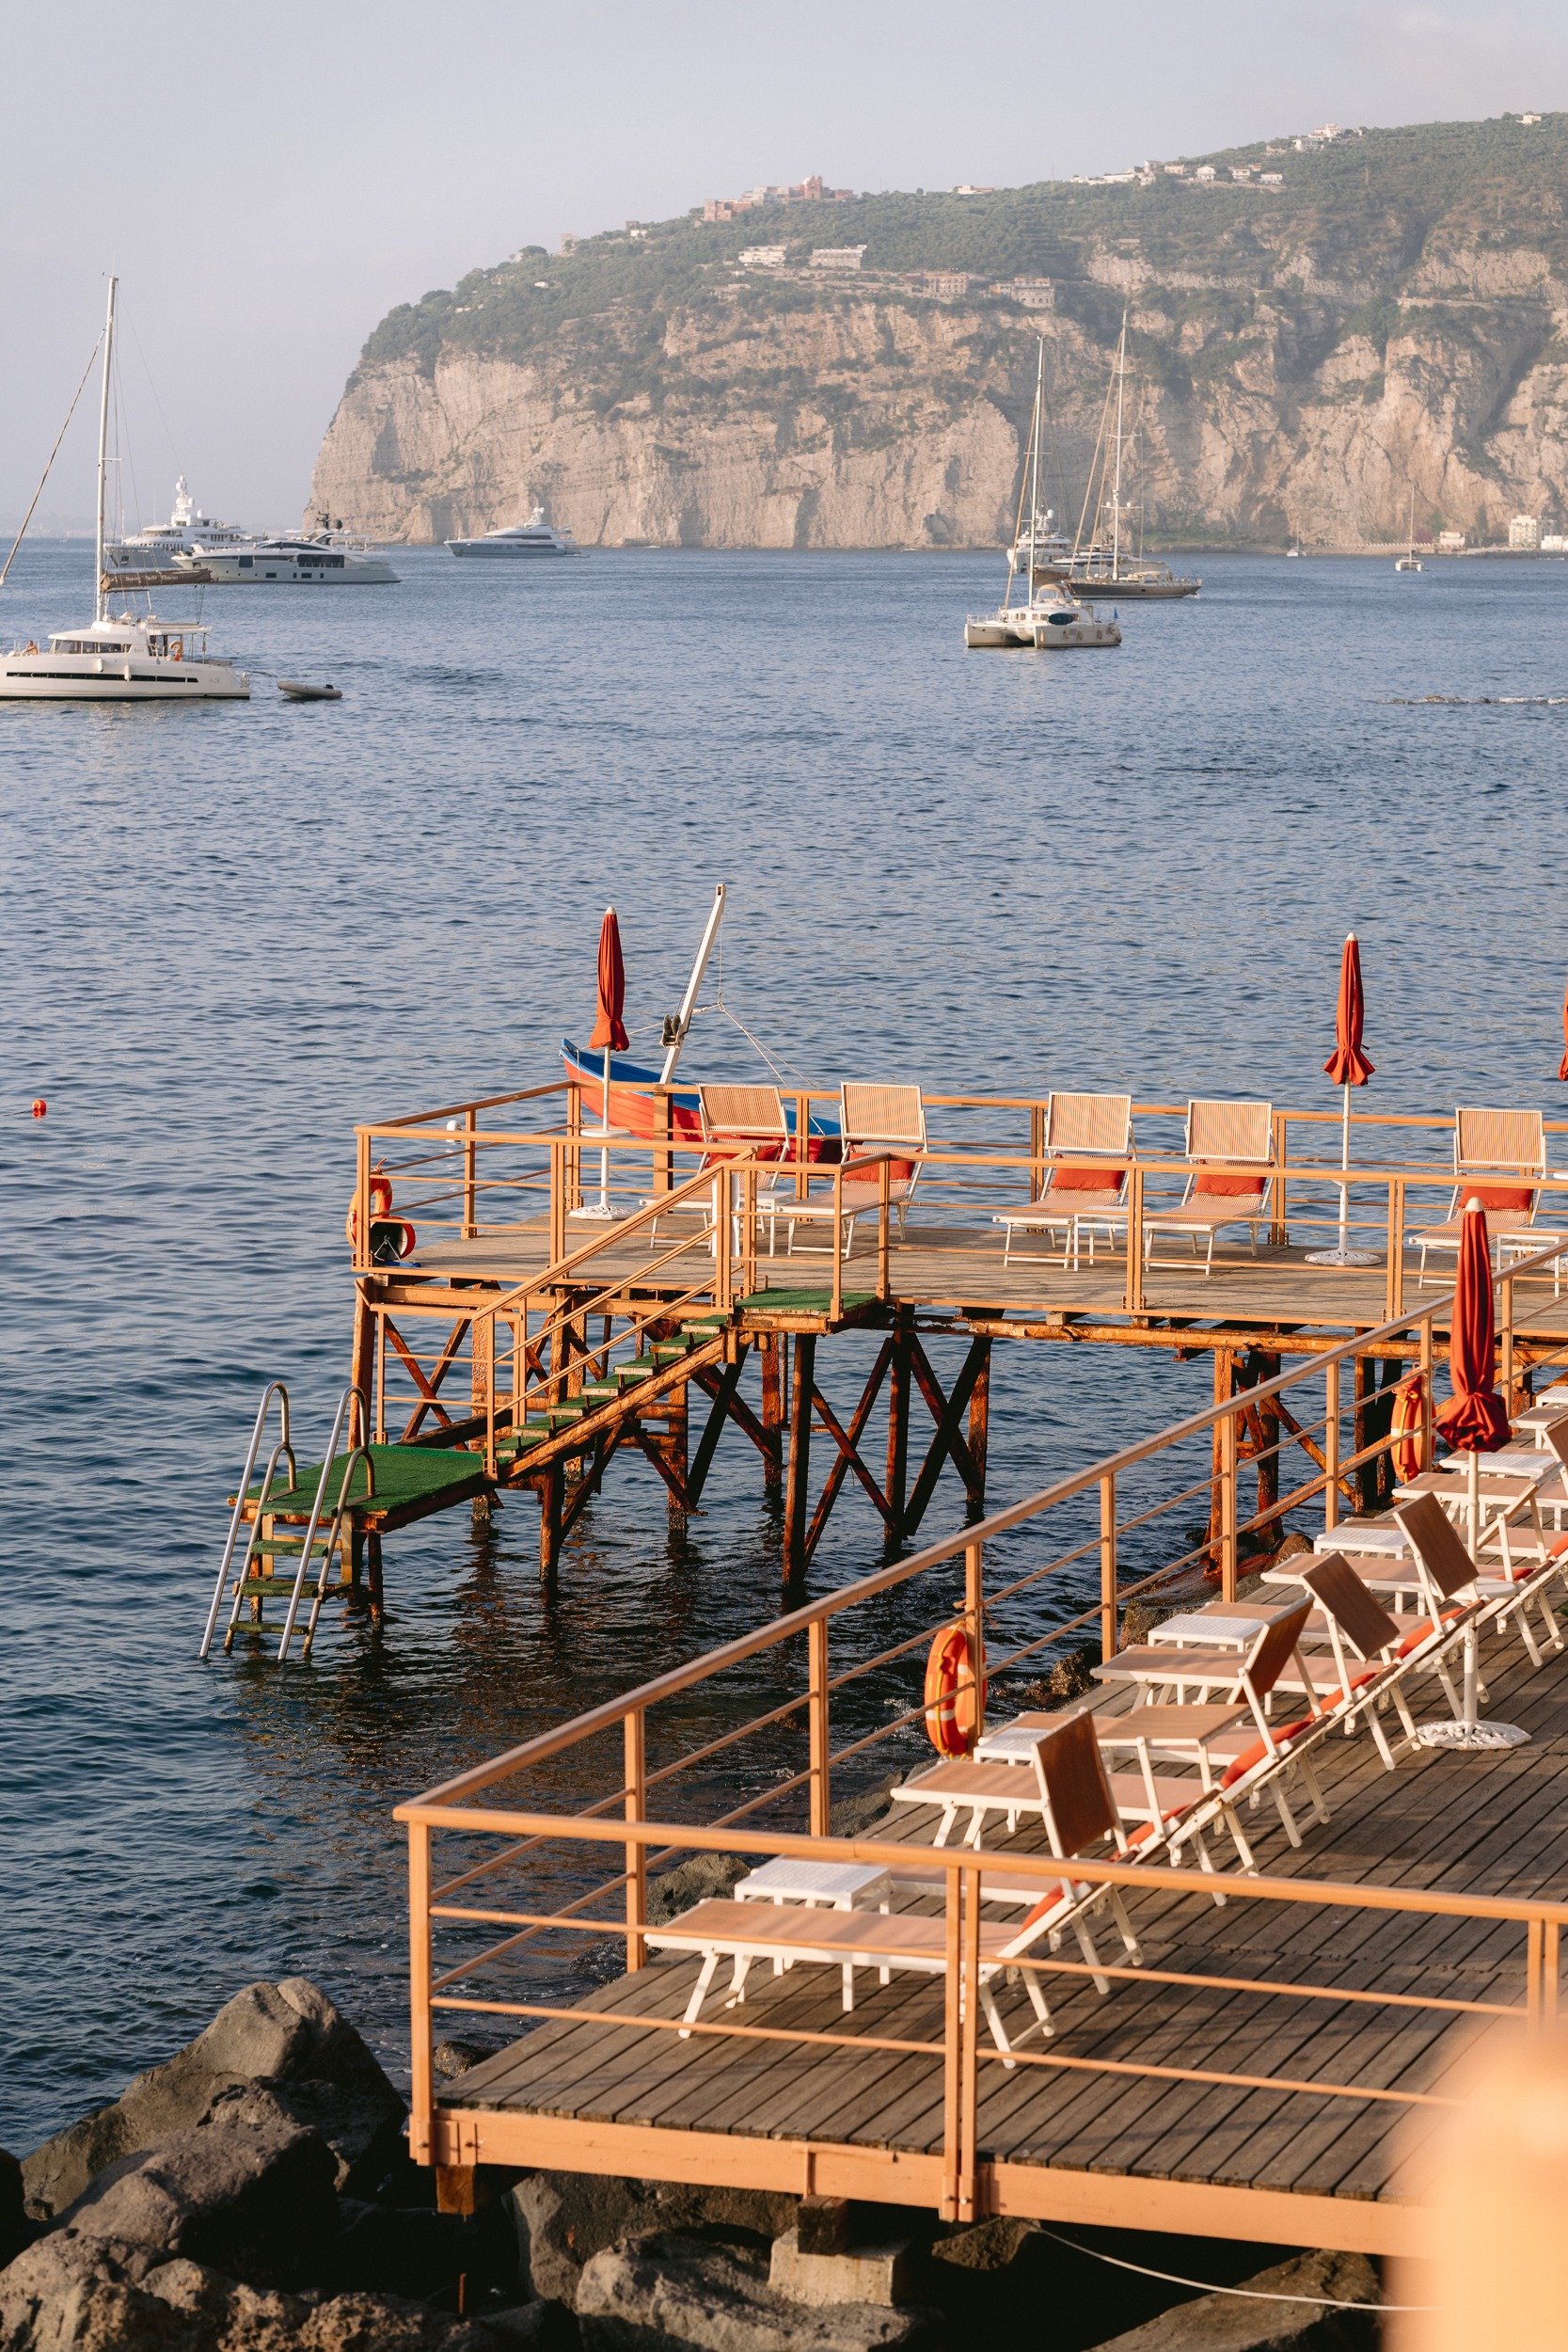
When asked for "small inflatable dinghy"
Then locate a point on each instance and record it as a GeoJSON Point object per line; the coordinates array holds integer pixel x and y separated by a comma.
{"type": "Point", "coordinates": [301, 693]}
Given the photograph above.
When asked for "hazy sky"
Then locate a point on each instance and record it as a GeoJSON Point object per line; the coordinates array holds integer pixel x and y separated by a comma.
{"type": "Point", "coordinates": [268, 183]}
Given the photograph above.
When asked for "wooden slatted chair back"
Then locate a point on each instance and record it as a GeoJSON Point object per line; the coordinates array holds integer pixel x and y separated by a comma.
{"type": "Point", "coordinates": [1434, 1538]}
{"type": "Point", "coordinates": [1355, 1609]}
{"type": "Point", "coordinates": [742, 1115]}
{"type": "Point", "coordinates": [882, 1114]}
{"type": "Point", "coordinates": [1498, 1139]}
{"type": "Point", "coordinates": [1232, 1132]}
{"type": "Point", "coordinates": [1270, 1653]}
{"type": "Point", "coordinates": [1082, 1810]}
{"type": "Point", "coordinates": [1557, 1438]}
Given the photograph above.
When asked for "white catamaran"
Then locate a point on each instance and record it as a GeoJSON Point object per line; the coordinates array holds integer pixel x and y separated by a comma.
{"type": "Point", "coordinates": [128, 659]}
{"type": "Point", "coordinates": [1056, 621]}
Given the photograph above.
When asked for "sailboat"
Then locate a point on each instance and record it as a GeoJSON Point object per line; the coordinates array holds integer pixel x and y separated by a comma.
{"type": "Point", "coordinates": [128, 659]}
{"type": "Point", "coordinates": [1106, 566]}
{"type": "Point", "coordinates": [1058, 620]}
{"type": "Point", "coordinates": [1410, 561]}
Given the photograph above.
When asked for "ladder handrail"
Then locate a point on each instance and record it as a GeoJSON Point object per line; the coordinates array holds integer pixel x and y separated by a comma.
{"type": "Point", "coordinates": [263, 1493]}
{"type": "Point", "coordinates": [334, 1540]}
{"type": "Point", "coordinates": [273, 1388]}
{"type": "Point", "coordinates": [352, 1394]}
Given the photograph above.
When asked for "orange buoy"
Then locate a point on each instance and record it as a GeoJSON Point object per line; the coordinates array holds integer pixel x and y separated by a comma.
{"type": "Point", "coordinates": [1407, 1429]}
{"type": "Point", "coordinates": [40, 1106]}
{"type": "Point", "coordinates": [954, 1709]}
{"type": "Point", "coordinates": [380, 1205]}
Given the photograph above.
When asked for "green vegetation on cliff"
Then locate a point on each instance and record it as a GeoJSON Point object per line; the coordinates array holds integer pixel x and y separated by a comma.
{"type": "Point", "coordinates": [1367, 208]}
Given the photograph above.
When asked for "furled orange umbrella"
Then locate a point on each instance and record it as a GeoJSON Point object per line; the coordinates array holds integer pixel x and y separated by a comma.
{"type": "Point", "coordinates": [1474, 1419]}
{"type": "Point", "coordinates": [610, 1030]}
{"type": "Point", "coordinates": [1348, 1066]}
{"type": "Point", "coordinates": [1562, 1065]}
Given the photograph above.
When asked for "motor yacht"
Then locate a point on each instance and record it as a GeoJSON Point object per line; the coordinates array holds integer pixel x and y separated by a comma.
{"type": "Point", "coordinates": [315, 558]}
{"type": "Point", "coordinates": [188, 529]}
{"type": "Point", "coordinates": [534, 538]}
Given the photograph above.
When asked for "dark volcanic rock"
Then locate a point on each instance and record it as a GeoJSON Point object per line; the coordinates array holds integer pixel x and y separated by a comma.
{"type": "Point", "coordinates": [252, 2195]}
{"type": "Point", "coordinates": [16, 2231]}
{"type": "Point", "coordinates": [564, 2218]}
{"type": "Point", "coordinates": [1233, 2323]}
{"type": "Point", "coordinates": [284, 2035]}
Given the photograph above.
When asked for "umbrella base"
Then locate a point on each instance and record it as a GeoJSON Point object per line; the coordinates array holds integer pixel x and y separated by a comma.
{"type": "Point", "coordinates": [600, 1215]}
{"type": "Point", "coordinates": [1471, 1737]}
{"type": "Point", "coordinates": [1343, 1257]}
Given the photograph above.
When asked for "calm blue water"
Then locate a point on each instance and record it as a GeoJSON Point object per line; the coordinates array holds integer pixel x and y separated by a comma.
{"type": "Point", "coordinates": [228, 933]}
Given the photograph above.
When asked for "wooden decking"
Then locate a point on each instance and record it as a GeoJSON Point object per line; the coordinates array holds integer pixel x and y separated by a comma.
{"type": "Point", "coordinates": [1080, 2141]}
{"type": "Point", "coordinates": [959, 1270]}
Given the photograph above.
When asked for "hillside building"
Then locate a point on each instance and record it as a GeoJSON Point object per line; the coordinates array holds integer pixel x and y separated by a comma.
{"type": "Point", "coordinates": [1523, 532]}
{"type": "Point", "coordinates": [1036, 294]}
{"type": "Point", "coordinates": [762, 256]}
{"type": "Point", "coordinates": [836, 255]}
{"type": "Point", "coordinates": [810, 191]}
{"type": "Point", "coordinates": [947, 284]}
{"type": "Point", "coordinates": [1449, 542]}
{"type": "Point", "coordinates": [966, 189]}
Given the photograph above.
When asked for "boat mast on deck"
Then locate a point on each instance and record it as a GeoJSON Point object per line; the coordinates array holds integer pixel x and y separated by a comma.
{"type": "Point", "coordinates": [98, 596]}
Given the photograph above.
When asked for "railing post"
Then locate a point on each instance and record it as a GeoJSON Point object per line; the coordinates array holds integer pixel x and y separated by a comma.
{"type": "Point", "coordinates": [1134, 1299]}
{"type": "Point", "coordinates": [573, 1149]}
{"type": "Point", "coordinates": [1534, 1974]}
{"type": "Point", "coordinates": [637, 1856]}
{"type": "Point", "coordinates": [1549, 1970]}
{"type": "Point", "coordinates": [1227, 1504]}
{"type": "Point", "coordinates": [952, 2050]}
{"type": "Point", "coordinates": [749, 1229]}
{"type": "Point", "coordinates": [558, 1201]}
{"type": "Point", "coordinates": [884, 1197]}
{"type": "Point", "coordinates": [803, 1145]}
{"type": "Point", "coordinates": [1393, 1292]}
{"type": "Point", "coordinates": [664, 1161]}
{"type": "Point", "coordinates": [490, 1395]}
{"type": "Point", "coordinates": [816, 1710]}
{"type": "Point", "coordinates": [969, 2070]}
{"type": "Point", "coordinates": [1279, 1232]}
{"type": "Point", "coordinates": [470, 1121]}
{"type": "Point", "coordinates": [378, 1346]}
{"type": "Point", "coordinates": [421, 2103]}
{"type": "Point", "coordinates": [722, 1183]}
{"type": "Point", "coordinates": [838, 1234]}
{"type": "Point", "coordinates": [1110, 1636]}
{"type": "Point", "coordinates": [1506, 1290]}
{"type": "Point", "coordinates": [975, 1620]}
{"type": "Point", "coordinates": [1426, 1406]}
{"type": "Point", "coordinates": [362, 1202]}
{"type": "Point", "coordinates": [1331, 1445]}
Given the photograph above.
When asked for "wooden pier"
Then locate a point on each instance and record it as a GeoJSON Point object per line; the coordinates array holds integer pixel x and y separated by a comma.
{"type": "Point", "coordinates": [1271, 2070]}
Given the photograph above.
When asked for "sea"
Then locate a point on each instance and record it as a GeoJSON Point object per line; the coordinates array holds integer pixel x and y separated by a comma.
{"type": "Point", "coordinates": [229, 933]}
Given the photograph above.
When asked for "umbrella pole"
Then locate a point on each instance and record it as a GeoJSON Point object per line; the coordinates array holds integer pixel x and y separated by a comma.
{"type": "Point", "coordinates": [1343, 1254]}
{"type": "Point", "coordinates": [1468, 1732]}
{"type": "Point", "coordinates": [604, 1155]}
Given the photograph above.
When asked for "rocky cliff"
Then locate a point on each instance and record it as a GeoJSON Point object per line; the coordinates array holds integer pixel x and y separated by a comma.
{"type": "Point", "coordinates": [1395, 316]}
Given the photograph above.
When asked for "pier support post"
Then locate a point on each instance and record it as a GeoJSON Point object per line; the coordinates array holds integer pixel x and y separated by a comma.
{"type": "Point", "coordinates": [1266, 1424]}
{"type": "Point", "coordinates": [549, 1486]}
{"type": "Point", "coordinates": [1225, 1388]}
{"type": "Point", "coordinates": [774, 1353]}
{"type": "Point", "coordinates": [899, 1369]}
{"type": "Point", "coordinates": [363, 1355]}
{"type": "Point", "coordinates": [803, 1374]}
{"type": "Point", "coordinates": [372, 1572]}
{"type": "Point", "coordinates": [673, 1446]}
{"type": "Point", "coordinates": [979, 1428]}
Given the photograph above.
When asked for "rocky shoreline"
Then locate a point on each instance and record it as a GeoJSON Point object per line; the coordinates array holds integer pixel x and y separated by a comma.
{"type": "Point", "coordinates": [254, 2193]}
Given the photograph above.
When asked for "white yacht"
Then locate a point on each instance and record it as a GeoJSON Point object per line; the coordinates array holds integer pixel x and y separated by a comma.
{"type": "Point", "coordinates": [315, 557]}
{"type": "Point", "coordinates": [1050, 617]}
{"type": "Point", "coordinates": [129, 660]}
{"type": "Point", "coordinates": [188, 529]}
{"type": "Point", "coordinates": [534, 538]}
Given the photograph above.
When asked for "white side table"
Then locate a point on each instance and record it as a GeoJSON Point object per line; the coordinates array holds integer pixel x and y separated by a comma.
{"type": "Point", "coordinates": [830, 1886]}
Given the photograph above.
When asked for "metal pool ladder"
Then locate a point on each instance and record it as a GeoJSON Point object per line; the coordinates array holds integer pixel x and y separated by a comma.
{"type": "Point", "coordinates": [248, 1584]}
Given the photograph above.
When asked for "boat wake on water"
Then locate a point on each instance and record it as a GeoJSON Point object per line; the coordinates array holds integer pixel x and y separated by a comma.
{"type": "Point", "coordinates": [1475, 702]}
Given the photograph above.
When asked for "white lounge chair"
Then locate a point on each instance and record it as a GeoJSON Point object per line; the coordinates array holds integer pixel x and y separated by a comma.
{"type": "Point", "coordinates": [1489, 1144]}
{"type": "Point", "coordinates": [1230, 1146]}
{"type": "Point", "coordinates": [875, 1123]}
{"type": "Point", "coordinates": [1090, 1126]}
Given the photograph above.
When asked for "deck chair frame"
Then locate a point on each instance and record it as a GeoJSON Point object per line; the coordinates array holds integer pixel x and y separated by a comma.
{"type": "Point", "coordinates": [876, 1123]}
{"type": "Point", "coordinates": [1084, 1127]}
{"type": "Point", "coordinates": [1489, 1147]}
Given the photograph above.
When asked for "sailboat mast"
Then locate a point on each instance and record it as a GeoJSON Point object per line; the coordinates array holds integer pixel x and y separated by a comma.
{"type": "Point", "coordinates": [1035, 461]}
{"type": "Point", "coordinates": [103, 453]}
{"type": "Point", "coordinates": [1116, 507]}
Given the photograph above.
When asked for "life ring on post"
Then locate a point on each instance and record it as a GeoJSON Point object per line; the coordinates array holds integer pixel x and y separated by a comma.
{"type": "Point", "coordinates": [177, 649]}
{"type": "Point", "coordinates": [1407, 1429]}
{"type": "Point", "coordinates": [381, 1206]}
{"type": "Point", "coordinates": [955, 1707]}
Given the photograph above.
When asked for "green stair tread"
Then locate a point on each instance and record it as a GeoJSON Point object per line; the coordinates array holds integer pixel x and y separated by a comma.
{"type": "Point", "coordinates": [403, 1474]}
{"type": "Point", "coordinates": [803, 1302]}
{"type": "Point", "coordinates": [280, 1587]}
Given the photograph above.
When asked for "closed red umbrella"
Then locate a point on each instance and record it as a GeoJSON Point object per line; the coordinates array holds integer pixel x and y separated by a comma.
{"type": "Point", "coordinates": [1474, 1419]}
{"type": "Point", "coordinates": [610, 1030]}
{"type": "Point", "coordinates": [1348, 1066]}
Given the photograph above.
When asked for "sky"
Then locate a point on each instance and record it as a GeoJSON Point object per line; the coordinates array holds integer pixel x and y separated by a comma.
{"type": "Point", "coordinates": [267, 184]}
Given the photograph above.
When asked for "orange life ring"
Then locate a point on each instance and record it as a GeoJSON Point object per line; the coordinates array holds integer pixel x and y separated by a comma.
{"type": "Point", "coordinates": [955, 1708]}
{"type": "Point", "coordinates": [1407, 1429]}
{"type": "Point", "coordinates": [380, 1205]}
{"type": "Point", "coordinates": [177, 649]}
